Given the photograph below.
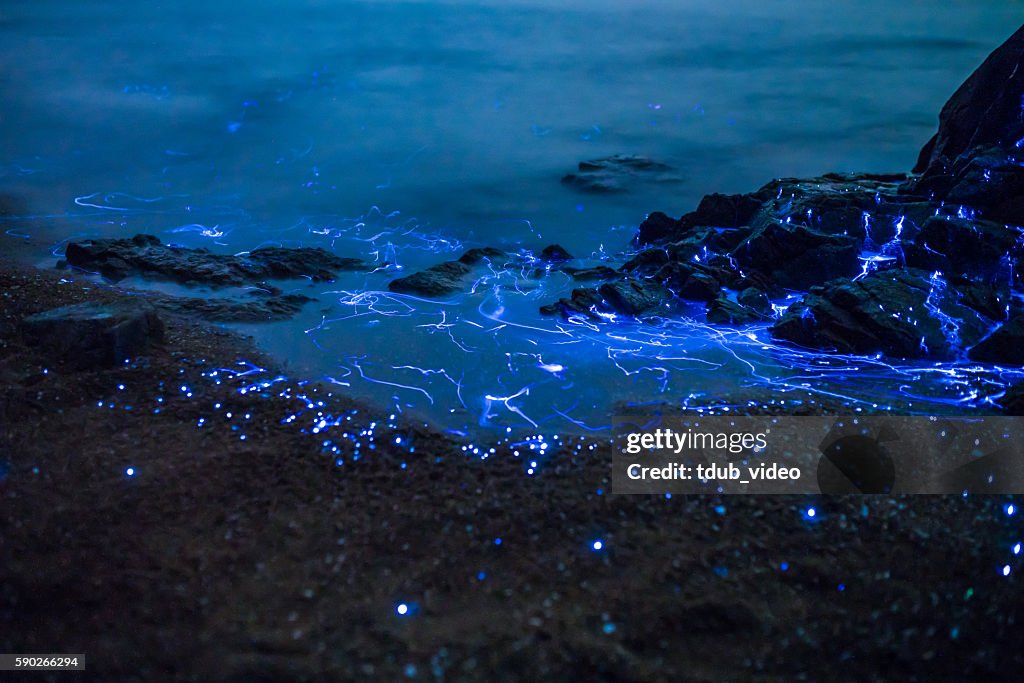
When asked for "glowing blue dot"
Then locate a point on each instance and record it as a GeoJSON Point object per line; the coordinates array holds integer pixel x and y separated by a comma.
{"type": "Point", "coordinates": [720, 509]}
{"type": "Point", "coordinates": [841, 587]}
{"type": "Point", "coordinates": [402, 609]}
{"type": "Point", "coordinates": [1016, 549]}
{"type": "Point", "coordinates": [481, 576]}
{"type": "Point", "coordinates": [811, 512]}
{"type": "Point", "coordinates": [598, 545]}
{"type": "Point", "coordinates": [1006, 570]}
{"type": "Point", "coordinates": [1010, 509]}
{"type": "Point", "coordinates": [130, 471]}
{"type": "Point", "coordinates": [608, 628]}
{"type": "Point", "coordinates": [410, 671]}
{"type": "Point", "coordinates": [497, 541]}
{"type": "Point", "coordinates": [784, 566]}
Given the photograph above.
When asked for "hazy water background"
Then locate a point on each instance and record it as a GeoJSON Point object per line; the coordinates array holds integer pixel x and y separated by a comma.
{"type": "Point", "coordinates": [231, 125]}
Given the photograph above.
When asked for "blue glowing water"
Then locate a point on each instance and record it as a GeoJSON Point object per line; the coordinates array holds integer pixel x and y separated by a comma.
{"type": "Point", "coordinates": [406, 132]}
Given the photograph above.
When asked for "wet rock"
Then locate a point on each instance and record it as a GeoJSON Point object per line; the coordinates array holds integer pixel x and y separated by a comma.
{"type": "Point", "coordinates": [555, 253]}
{"type": "Point", "coordinates": [444, 278]}
{"type": "Point", "coordinates": [690, 281]}
{"type": "Point", "coordinates": [440, 280]}
{"type": "Point", "coordinates": [724, 311]}
{"type": "Point", "coordinates": [627, 297]}
{"type": "Point", "coordinates": [617, 173]}
{"type": "Point", "coordinates": [582, 301]}
{"type": "Point", "coordinates": [902, 313]}
{"type": "Point", "coordinates": [635, 297]}
{"type": "Point", "coordinates": [260, 308]}
{"type": "Point", "coordinates": [1004, 346]}
{"type": "Point", "coordinates": [714, 211]}
{"type": "Point", "coordinates": [93, 335]}
{"type": "Point", "coordinates": [146, 255]}
{"type": "Point", "coordinates": [984, 111]}
{"type": "Point", "coordinates": [756, 300]}
{"type": "Point", "coordinates": [646, 262]}
{"type": "Point", "coordinates": [982, 249]}
{"type": "Point", "coordinates": [475, 256]}
{"type": "Point", "coordinates": [798, 256]}
{"type": "Point", "coordinates": [975, 156]}
{"type": "Point", "coordinates": [595, 273]}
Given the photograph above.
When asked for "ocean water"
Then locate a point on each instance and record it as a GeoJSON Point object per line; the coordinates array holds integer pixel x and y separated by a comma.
{"type": "Point", "coordinates": [406, 132]}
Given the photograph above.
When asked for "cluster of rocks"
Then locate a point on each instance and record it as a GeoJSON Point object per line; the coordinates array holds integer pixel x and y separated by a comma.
{"type": "Point", "coordinates": [618, 173]}
{"type": "Point", "coordinates": [145, 255]}
{"type": "Point", "coordinates": [912, 266]}
{"type": "Point", "coordinates": [920, 266]}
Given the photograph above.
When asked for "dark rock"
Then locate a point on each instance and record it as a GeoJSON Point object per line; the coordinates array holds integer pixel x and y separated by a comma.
{"type": "Point", "coordinates": [555, 252]}
{"type": "Point", "coordinates": [725, 210]}
{"type": "Point", "coordinates": [977, 248]}
{"type": "Point", "coordinates": [582, 301]}
{"type": "Point", "coordinates": [145, 255]}
{"type": "Point", "coordinates": [984, 111]}
{"type": "Point", "coordinates": [901, 313]}
{"type": "Point", "coordinates": [975, 156]}
{"type": "Point", "coordinates": [690, 281]}
{"type": "Point", "coordinates": [657, 227]}
{"type": "Point", "coordinates": [628, 297]}
{"type": "Point", "coordinates": [797, 256]}
{"type": "Point", "coordinates": [595, 273]}
{"type": "Point", "coordinates": [444, 278]}
{"type": "Point", "coordinates": [223, 309]}
{"type": "Point", "coordinates": [93, 335]}
{"type": "Point", "coordinates": [1004, 346]}
{"type": "Point", "coordinates": [724, 311]}
{"type": "Point", "coordinates": [635, 297]}
{"type": "Point", "coordinates": [646, 261]}
{"type": "Point", "coordinates": [714, 211]}
{"type": "Point", "coordinates": [756, 300]}
{"type": "Point", "coordinates": [616, 173]}
{"type": "Point", "coordinates": [475, 256]}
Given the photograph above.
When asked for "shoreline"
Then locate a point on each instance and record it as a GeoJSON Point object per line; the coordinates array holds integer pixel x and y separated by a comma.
{"type": "Point", "coordinates": [255, 558]}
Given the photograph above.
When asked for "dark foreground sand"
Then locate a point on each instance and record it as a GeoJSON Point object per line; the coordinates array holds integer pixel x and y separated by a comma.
{"type": "Point", "coordinates": [261, 559]}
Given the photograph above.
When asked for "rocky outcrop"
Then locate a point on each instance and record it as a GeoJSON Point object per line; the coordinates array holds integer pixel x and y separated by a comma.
{"type": "Point", "coordinates": [903, 313]}
{"type": "Point", "coordinates": [632, 298]}
{"type": "Point", "coordinates": [617, 174]}
{"type": "Point", "coordinates": [93, 335]}
{"type": "Point", "coordinates": [145, 255]}
{"type": "Point", "coordinates": [444, 278]}
{"type": "Point", "coordinates": [975, 156]}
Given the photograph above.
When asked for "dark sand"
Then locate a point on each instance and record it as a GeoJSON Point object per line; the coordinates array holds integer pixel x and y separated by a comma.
{"type": "Point", "coordinates": [224, 559]}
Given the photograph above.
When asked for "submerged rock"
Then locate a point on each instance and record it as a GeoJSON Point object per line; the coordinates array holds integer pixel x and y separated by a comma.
{"type": "Point", "coordinates": [261, 307]}
{"type": "Point", "coordinates": [555, 252]}
{"type": "Point", "coordinates": [634, 298]}
{"type": "Point", "coordinates": [595, 273]}
{"type": "Point", "coordinates": [725, 311]}
{"type": "Point", "coordinates": [901, 313]}
{"type": "Point", "coordinates": [93, 335]}
{"type": "Point", "coordinates": [444, 278]}
{"type": "Point", "coordinates": [616, 173]}
{"type": "Point", "coordinates": [145, 255]}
